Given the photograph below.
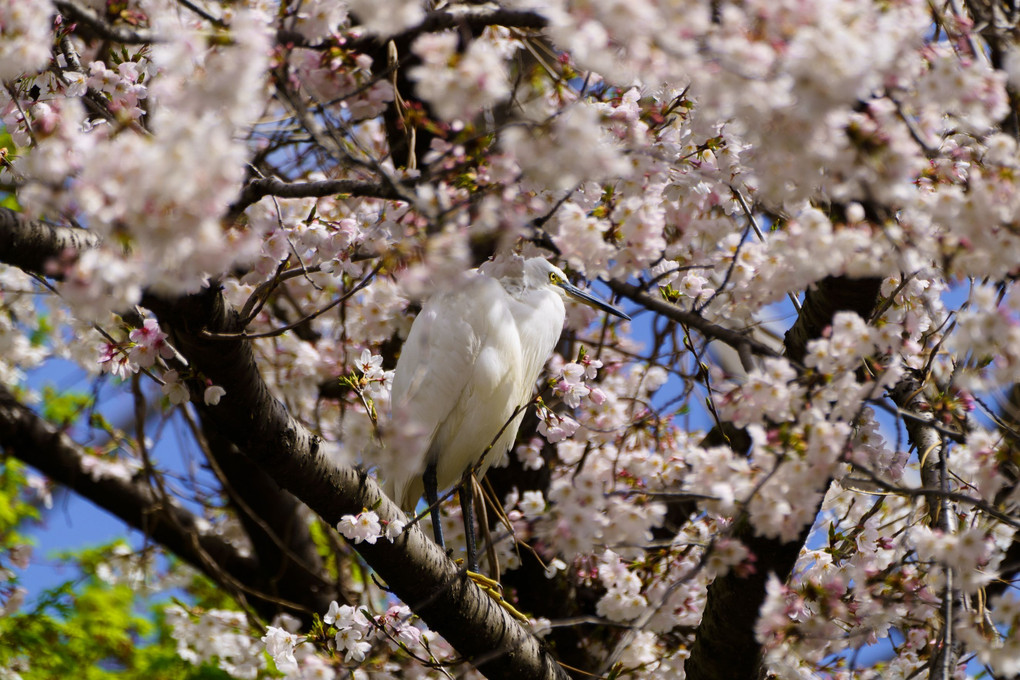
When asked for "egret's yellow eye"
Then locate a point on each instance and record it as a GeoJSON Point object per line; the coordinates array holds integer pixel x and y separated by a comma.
{"type": "Point", "coordinates": [555, 279]}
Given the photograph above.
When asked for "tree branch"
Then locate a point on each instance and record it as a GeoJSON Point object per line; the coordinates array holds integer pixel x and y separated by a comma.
{"type": "Point", "coordinates": [929, 442]}
{"type": "Point", "coordinates": [270, 186]}
{"type": "Point", "coordinates": [830, 295]}
{"type": "Point", "coordinates": [441, 21]}
{"type": "Point", "coordinates": [741, 342]}
{"type": "Point", "coordinates": [43, 446]}
{"type": "Point", "coordinates": [30, 244]}
{"type": "Point", "coordinates": [276, 522]}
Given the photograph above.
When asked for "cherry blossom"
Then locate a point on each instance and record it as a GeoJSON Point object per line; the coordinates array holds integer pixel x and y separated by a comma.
{"type": "Point", "coordinates": [212, 395]}
{"type": "Point", "coordinates": [362, 527]}
{"type": "Point", "coordinates": [387, 17]}
{"type": "Point", "coordinates": [532, 503]}
{"type": "Point", "coordinates": [555, 427]}
{"type": "Point", "coordinates": [25, 33]}
{"type": "Point", "coordinates": [150, 344]}
{"type": "Point", "coordinates": [220, 636]}
{"type": "Point", "coordinates": [475, 80]}
{"type": "Point", "coordinates": [280, 645]}
{"type": "Point", "coordinates": [571, 386]}
{"type": "Point", "coordinates": [174, 388]}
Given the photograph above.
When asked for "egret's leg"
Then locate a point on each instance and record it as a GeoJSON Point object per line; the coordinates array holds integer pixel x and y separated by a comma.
{"type": "Point", "coordinates": [490, 586]}
{"type": "Point", "coordinates": [467, 511]}
{"type": "Point", "coordinates": [432, 498]}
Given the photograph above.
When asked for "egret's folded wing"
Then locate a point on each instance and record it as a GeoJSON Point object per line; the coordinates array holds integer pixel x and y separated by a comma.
{"type": "Point", "coordinates": [436, 369]}
{"type": "Point", "coordinates": [435, 361]}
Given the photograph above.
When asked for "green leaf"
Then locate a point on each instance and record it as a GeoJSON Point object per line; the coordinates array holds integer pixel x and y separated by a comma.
{"type": "Point", "coordinates": [64, 408]}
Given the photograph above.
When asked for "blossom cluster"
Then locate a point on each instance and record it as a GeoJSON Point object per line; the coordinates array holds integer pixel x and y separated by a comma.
{"type": "Point", "coordinates": [23, 38]}
{"type": "Point", "coordinates": [353, 635]}
{"type": "Point", "coordinates": [145, 188]}
{"type": "Point", "coordinates": [216, 636]}
{"type": "Point", "coordinates": [366, 526]}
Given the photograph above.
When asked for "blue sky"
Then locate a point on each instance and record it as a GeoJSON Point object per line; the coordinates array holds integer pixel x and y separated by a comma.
{"type": "Point", "coordinates": [75, 523]}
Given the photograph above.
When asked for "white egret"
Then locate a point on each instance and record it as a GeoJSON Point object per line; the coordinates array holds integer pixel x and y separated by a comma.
{"type": "Point", "coordinates": [469, 363]}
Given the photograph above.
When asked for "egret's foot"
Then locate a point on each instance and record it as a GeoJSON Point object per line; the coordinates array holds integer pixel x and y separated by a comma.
{"type": "Point", "coordinates": [483, 581]}
{"type": "Point", "coordinates": [495, 591]}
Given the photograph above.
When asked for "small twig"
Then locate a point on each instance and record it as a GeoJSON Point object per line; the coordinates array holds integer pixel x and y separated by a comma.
{"type": "Point", "coordinates": [218, 23]}
{"type": "Point", "coordinates": [438, 21]}
{"type": "Point", "coordinates": [758, 232]}
{"type": "Point", "coordinates": [735, 339]}
{"type": "Point", "coordinates": [280, 331]}
{"type": "Point", "coordinates": [926, 493]}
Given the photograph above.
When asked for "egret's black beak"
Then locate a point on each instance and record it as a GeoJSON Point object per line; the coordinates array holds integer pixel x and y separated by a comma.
{"type": "Point", "coordinates": [584, 297]}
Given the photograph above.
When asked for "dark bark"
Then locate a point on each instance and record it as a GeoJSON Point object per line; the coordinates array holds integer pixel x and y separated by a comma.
{"type": "Point", "coordinates": [830, 295]}
{"type": "Point", "coordinates": [257, 189]}
{"type": "Point", "coordinates": [277, 524]}
{"type": "Point", "coordinates": [97, 27]}
{"type": "Point", "coordinates": [1009, 466]}
{"type": "Point", "coordinates": [32, 244]}
{"type": "Point", "coordinates": [931, 450]}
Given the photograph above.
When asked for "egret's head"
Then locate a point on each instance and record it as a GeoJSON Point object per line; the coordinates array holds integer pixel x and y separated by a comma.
{"type": "Point", "coordinates": [541, 272]}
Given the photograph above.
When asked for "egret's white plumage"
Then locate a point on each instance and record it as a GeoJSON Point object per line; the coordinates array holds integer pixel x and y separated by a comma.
{"type": "Point", "coordinates": [471, 359]}
{"type": "Point", "coordinates": [470, 362]}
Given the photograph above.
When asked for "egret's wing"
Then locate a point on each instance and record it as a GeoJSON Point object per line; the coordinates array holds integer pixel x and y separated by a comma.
{"type": "Point", "coordinates": [486, 404]}
{"type": "Point", "coordinates": [436, 359]}
{"type": "Point", "coordinates": [448, 369]}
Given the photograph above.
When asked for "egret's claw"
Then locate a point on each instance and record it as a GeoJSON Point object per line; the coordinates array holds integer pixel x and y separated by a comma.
{"type": "Point", "coordinates": [484, 581]}
{"type": "Point", "coordinates": [495, 591]}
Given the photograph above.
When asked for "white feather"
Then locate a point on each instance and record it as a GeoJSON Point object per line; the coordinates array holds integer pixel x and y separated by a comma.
{"type": "Point", "coordinates": [470, 361]}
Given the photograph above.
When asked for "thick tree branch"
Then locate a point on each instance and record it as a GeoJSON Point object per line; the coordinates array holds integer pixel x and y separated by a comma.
{"type": "Point", "coordinates": [925, 436]}
{"type": "Point", "coordinates": [89, 18]}
{"type": "Point", "coordinates": [270, 186]}
{"type": "Point", "coordinates": [276, 522]}
{"type": "Point", "coordinates": [1009, 425]}
{"type": "Point", "coordinates": [31, 244]}
{"type": "Point", "coordinates": [42, 445]}
{"type": "Point", "coordinates": [435, 21]}
{"type": "Point", "coordinates": [830, 295]}
{"type": "Point", "coordinates": [929, 442]}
